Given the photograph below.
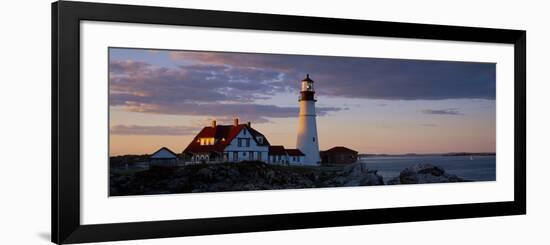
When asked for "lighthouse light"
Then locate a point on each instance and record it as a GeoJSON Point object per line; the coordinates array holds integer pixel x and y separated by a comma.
{"type": "Point", "coordinates": [307, 86]}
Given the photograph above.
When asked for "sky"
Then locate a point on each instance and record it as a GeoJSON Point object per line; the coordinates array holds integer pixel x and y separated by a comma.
{"type": "Point", "coordinates": [372, 105]}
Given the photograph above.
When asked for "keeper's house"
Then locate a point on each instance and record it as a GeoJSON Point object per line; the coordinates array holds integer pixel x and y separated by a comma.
{"type": "Point", "coordinates": [227, 143]}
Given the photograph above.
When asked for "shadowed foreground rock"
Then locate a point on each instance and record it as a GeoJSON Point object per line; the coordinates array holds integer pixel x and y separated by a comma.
{"type": "Point", "coordinates": [356, 174]}
{"type": "Point", "coordinates": [424, 173]}
{"type": "Point", "coordinates": [237, 177]}
{"type": "Point", "coordinates": [260, 176]}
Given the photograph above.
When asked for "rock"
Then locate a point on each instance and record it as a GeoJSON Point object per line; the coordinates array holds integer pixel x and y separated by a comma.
{"type": "Point", "coordinates": [372, 179]}
{"type": "Point", "coordinates": [270, 175]}
{"type": "Point", "coordinates": [423, 173]}
{"type": "Point", "coordinates": [206, 173]}
{"type": "Point", "coordinates": [356, 169]}
{"type": "Point", "coordinates": [237, 177]}
{"type": "Point", "coordinates": [356, 174]}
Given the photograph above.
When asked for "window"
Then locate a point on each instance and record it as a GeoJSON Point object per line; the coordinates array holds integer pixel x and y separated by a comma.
{"type": "Point", "coordinates": [235, 156]}
{"type": "Point", "coordinates": [260, 140]}
{"type": "Point", "coordinates": [259, 156]}
{"type": "Point", "coordinates": [244, 132]}
{"type": "Point", "coordinates": [206, 141]}
{"type": "Point", "coordinates": [251, 156]}
{"type": "Point", "coordinates": [313, 139]}
{"type": "Point", "coordinates": [241, 142]}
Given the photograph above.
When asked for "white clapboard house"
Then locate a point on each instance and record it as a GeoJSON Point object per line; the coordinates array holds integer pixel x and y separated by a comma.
{"type": "Point", "coordinates": [227, 143]}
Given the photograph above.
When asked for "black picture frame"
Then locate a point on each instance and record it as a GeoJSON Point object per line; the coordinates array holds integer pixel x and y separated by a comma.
{"type": "Point", "coordinates": [66, 18]}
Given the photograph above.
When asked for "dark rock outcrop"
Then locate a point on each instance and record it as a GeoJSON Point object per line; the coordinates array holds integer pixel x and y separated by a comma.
{"type": "Point", "coordinates": [424, 173]}
{"type": "Point", "coordinates": [356, 174]}
{"type": "Point", "coordinates": [260, 176]}
{"type": "Point", "coordinates": [237, 177]}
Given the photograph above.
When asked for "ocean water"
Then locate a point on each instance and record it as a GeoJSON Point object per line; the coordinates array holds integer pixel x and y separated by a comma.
{"type": "Point", "coordinates": [479, 168]}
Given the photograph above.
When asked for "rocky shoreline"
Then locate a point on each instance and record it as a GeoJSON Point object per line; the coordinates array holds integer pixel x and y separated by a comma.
{"type": "Point", "coordinates": [423, 174]}
{"type": "Point", "coordinates": [260, 176]}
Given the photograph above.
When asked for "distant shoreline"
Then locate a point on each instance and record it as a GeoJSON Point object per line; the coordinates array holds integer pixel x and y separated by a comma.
{"type": "Point", "coordinates": [449, 154]}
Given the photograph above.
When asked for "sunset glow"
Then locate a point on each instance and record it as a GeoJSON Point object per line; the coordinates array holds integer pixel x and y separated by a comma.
{"type": "Point", "coordinates": [164, 98]}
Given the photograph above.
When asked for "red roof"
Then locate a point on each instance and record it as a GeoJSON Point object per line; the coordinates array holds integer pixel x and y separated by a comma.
{"type": "Point", "coordinates": [223, 135]}
{"type": "Point", "coordinates": [339, 149]}
{"type": "Point", "coordinates": [294, 152]}
{"type": "Point", "coordinates": [277, 150]}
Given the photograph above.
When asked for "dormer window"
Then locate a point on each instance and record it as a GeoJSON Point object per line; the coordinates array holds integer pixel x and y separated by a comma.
{"type": "Point", "coordinates": [206, 141]}
{"type": "Point", "coordinates": [260, 139]}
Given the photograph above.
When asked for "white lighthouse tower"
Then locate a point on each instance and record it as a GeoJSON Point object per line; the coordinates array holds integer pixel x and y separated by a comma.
{"type": "Point", "coordinates": [307, 141]}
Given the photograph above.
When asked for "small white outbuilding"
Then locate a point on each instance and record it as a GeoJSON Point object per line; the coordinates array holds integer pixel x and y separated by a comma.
{"type": "Point", "coordinates": [163, 157]}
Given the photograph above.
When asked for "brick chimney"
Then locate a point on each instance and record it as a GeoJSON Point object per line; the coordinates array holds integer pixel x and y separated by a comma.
{"type": "Point", "coordinates": [236, 121]}
{"type": "Point", "coordinates": [213, 123]}
{"type": "Point", "coordinates": [248, 123]}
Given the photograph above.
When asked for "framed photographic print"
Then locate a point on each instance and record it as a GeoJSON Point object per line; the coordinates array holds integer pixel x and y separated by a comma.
{"type": "Point", "coordinates": [177, 122]}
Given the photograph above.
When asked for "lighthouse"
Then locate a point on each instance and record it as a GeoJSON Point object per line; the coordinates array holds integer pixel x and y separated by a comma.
{"type": "Point", "coordinates": [307, 141]}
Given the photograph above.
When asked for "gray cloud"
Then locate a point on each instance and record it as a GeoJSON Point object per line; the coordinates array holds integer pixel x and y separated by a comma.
{"type": "Point", "coordinates": [205, 83]}
{"type": "Point", "coordinates": [125, 67]}
{"type": "Point", "coordinates": [199, 90]}
{"type": "Point", "coordinates": [376, 78]}
{"type": "Point", "coordinates": [152, 130]}
{"type": "Point", "coordinates": [450, 111]}
{"type": "Point", "coordinates": [251, 112]}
